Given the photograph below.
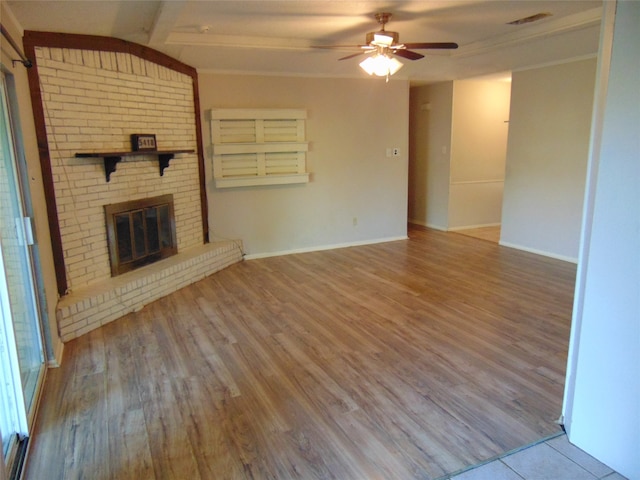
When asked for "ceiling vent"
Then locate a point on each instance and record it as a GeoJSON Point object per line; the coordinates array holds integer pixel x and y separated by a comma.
{"type": "Point", "coordinates": [531, 18]}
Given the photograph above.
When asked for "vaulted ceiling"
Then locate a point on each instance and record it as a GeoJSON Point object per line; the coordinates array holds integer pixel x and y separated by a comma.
{"type": "Point", "coordinates": [276, 37]}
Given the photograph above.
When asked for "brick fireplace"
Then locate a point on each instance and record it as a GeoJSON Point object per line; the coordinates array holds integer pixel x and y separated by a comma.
{"type": "Point", "coordinates": [93, 101]}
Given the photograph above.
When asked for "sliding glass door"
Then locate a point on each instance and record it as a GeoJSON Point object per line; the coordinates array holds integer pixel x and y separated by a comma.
{"type": "Point", "coordinates": [21, 347]}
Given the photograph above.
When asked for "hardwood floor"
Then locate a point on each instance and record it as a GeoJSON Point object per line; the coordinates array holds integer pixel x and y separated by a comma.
{"type": "Point", "coordinates": [492, 234]}
{"type": "Point", "coordinates": [404, 360]}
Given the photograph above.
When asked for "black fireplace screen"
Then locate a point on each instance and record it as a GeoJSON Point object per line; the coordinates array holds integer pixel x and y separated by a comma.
{"type": "Point", "coordinates": [140, 232]}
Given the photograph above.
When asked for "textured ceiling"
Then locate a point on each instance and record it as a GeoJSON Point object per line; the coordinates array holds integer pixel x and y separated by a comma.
{"type": "Point", "coordinates": [275, 37]}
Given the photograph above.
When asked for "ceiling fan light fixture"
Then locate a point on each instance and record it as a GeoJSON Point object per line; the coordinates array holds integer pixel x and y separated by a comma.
{"type": "Point", "coordinates": [381, 65]}
{"type": "Point", "coordinates": [383, 39]}
{"type": "Point", "coordinates": [382, 46]}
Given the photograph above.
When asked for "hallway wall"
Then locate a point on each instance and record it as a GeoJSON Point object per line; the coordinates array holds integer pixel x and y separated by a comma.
{"type": "Point", "coordinates": [478, 152]}
{"type": "Point", "coordinates": [547, 156]}
{"type": "Point", "coordinates": [458, 137]}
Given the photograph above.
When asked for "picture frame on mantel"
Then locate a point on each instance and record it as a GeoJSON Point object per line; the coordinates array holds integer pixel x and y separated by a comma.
{"type": "Point", "coordinates": [143, 142]}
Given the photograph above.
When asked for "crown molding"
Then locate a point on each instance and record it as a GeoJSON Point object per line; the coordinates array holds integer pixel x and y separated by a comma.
{"type": "Point", "coordinates": [243, 41]}
{"type": "Point", "coordinates": [531, 32]}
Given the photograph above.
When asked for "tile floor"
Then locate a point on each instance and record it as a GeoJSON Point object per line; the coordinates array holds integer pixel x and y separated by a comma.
{"type": "Point", "coordinates": [553, 459]}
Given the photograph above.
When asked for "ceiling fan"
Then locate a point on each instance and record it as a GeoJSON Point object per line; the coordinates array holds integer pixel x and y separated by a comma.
{"type": "Point", "coordinates": [382, 45]}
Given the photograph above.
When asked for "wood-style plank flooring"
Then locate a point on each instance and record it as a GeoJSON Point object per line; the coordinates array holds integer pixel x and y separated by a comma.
{"type": "Point", "coordinates": [405, 360]}
{"type": "Point", "coordinates": [492, 234]}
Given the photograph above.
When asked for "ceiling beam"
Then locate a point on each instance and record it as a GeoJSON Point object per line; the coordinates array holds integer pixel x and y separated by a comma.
{"type": "Point", "coordinates": [165, 20]}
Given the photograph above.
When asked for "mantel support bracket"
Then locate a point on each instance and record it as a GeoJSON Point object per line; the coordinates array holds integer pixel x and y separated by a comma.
{"type": "Point", "coordinates": [163, 160]}
{"type": "Point", "coordinates": [110, 166]}
{"type": "Point", "coordinates": [111, 159]}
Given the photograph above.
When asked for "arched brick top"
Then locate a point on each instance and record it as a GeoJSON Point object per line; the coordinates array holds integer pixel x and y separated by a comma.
{"type": "Point", "coordinates": [33, 39]}
{"type": "Point", "coordinates": [107, 44]}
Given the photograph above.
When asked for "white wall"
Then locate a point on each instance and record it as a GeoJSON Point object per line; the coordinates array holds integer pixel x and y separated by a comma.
{"type": "Point", "coordinates": [547, 155]}
{"type": "Point", "coordinates": [458, 140]}
{"type": "Point", "coordinates": [429, 162]}
{"type": "Point", "coordinates": [356, 193]}
{"type": "Point", "coordinates": [602, 396]}
{"type": "Point", "coordinates": [478, 152]}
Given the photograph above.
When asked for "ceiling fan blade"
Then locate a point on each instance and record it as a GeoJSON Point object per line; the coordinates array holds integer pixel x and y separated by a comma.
{"type": "Point", "coordinates": [434, 45]}
{"type": "Point", "coordinates": [408, 54]}
{"type": "Point", "coordinates": [351, 56]}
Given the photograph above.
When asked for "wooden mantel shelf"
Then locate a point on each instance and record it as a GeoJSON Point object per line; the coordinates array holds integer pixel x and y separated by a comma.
{"type": "Point", "coordinates": [111, 159]}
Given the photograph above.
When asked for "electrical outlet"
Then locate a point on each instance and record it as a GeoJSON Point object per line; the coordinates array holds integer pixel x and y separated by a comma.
{"type": "Point", "coordinates": [393, 152]}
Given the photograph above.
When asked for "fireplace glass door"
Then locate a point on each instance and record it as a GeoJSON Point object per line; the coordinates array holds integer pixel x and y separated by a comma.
{"type": "Point", "coordinates": [140, 232]}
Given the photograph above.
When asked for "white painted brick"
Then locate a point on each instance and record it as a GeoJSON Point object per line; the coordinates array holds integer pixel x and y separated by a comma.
{"type": "Point", "coordinates": [89, 76]}
{"type": "Point", "coordinates": [98, 94]}
{"type": "Point", "coordinates": [70, 122]}
{"type": "Point", "coordinates": [129, 89]}
{"type": "Point", "coordinates": [49, 89]}
{"type": "Point", "coordinates": [77, 108]}
{"type": "Point", "coordinates": [69, 56]}
{"type": "Point", "coordinates": [55, 54]}
{"type": "Point", "coordinates": [59, 66]}
{"type": "Point", "coordinates": [56, 101]}
{"type": "Point", "coordinates": [137, 65]}
{"type": "Point", "coordinates": [109, 61]}
{"type": "Point", "coordinates": [88, 58]}
{"type": "Point", "coordinates": [68, 74]}
{"type": "Point", "coordinates": [71, 328]}
{"type": "Point", "coordinates": [67, 144]}
{"type": "Point", "coordinates": [124, 62]}
{"type": "Point", "coordinates": [64, 82]}
{"type": "Point", "coordinates": [134, 96]}
{"type": "Point", "coordinates": [75, 257]}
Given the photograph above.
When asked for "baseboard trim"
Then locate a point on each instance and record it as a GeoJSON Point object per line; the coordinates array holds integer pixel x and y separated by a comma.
{"type": "Point", "coordinates": [468, 227]}
{"type": "Point", "coordinates": [319, 248]}
{"type": "Point", "coordinates": [427, 225]}
{"type": "Point", "coordinates": [539, 252]}
{"type": "Point", "coordinates": [56, 361]}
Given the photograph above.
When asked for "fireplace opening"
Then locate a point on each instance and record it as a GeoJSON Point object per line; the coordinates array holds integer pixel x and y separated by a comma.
{"type": "Point", "coordinates": [140, 232]}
